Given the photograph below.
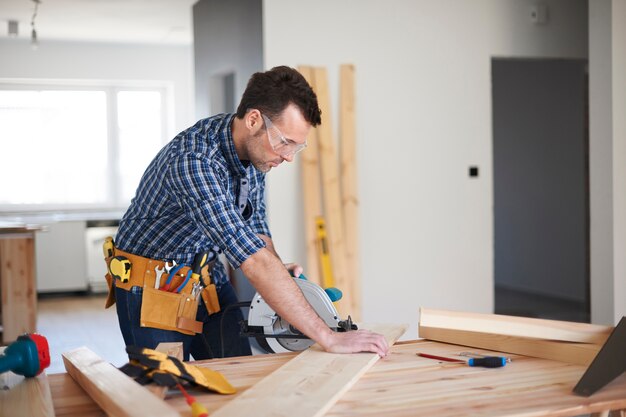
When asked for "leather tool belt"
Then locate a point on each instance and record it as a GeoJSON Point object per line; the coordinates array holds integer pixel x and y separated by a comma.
{"type": "Point", "coordinates": [160, 309]}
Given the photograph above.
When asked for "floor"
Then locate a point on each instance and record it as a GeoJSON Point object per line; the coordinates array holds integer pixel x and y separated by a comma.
{"type": "Point", "coordinates": [69, 322]}
{"type": "Point", "coordinates": [72, 321]}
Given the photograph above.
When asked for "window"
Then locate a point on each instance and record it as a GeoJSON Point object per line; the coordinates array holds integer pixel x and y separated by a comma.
{"type": "Point", "coordinates": [76, 147]}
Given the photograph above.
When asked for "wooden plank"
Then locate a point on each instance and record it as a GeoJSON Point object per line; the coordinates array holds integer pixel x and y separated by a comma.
{"type": "Point", "coordinates": [569, 352]}
{"type": "Point", "coordinates": [25, 397]}
{"type": "Point", "coordinates": [312, 193]}
{"type": "Point", "coordinates": [348, 174]}
{"type": "Point", "coordinates": [18, 289]}
{"type": "Point", "coordinates": [114, 392]}
{"type": "Point", "coordinates": [515, 326]}
{"type": "Point", "coordinates": [331, 192]}
{"type": "Point", "coordinates": [307, 385]}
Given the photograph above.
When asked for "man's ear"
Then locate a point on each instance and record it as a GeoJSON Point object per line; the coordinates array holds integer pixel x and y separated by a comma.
{"type": "Point", "coordinates": [254, 121]}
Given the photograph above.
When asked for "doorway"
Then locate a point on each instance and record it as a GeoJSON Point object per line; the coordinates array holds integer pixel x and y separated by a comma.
{"type": "Point", "coordinates": [541, 198]}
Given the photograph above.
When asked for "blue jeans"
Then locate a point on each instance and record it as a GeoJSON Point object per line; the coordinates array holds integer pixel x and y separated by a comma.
{"type": "Point", "coordinates": [205, 345]}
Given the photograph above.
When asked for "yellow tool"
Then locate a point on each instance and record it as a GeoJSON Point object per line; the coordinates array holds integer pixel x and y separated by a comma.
{"type": "Point", "coordinates": [108, 247]}
{"type": "Point", "coordinates": [324, 253]}
{"type": "Point", "coordinates": [120, 266]}
{"type": "Point", "coordinates": [209, 293]}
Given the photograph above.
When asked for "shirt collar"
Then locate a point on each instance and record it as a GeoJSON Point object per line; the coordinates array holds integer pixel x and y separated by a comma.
{"type": "Point", "coordinates": [227, 144]}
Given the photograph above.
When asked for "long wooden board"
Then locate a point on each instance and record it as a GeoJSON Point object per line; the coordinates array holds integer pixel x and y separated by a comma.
{"type": "Point", "coordinates": [114, 392]}
{"type": "Point", "coordinates": [349, 192]}
{"type": "Point", "coordinates": [569, 352]}
{"type": "Point", "coordinates": [309, 384]}
{"type": "Point", "coordinates": [312, 192]}
{"type": "Point", "coordinates": [332, 193]}
{"type": "Point", "coordinates": [25, 397]}
{"type": "Point", "coordinates": [515, 326]}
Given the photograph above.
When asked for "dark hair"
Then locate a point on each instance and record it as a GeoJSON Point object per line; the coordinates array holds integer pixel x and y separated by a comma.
{"type": "Point", "coordinates": [272, 91]}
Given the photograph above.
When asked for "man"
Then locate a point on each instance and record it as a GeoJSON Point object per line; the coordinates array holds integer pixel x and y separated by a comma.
{"type": "Point", "coordinates": [204, 191]}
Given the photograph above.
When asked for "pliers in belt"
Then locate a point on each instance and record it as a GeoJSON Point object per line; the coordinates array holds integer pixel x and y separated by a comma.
{"type": "Point", "coordinates": [173, 271]}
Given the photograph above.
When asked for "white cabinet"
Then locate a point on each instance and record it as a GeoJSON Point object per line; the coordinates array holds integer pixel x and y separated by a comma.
{"type": "Point", "coordinates": [60, 255]}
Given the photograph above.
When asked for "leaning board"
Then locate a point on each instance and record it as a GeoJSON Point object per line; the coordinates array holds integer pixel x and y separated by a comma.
{"type": "Point", "coordinates": [309, 384]}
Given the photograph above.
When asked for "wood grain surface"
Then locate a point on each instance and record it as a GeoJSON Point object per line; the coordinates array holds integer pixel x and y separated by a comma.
{"type": "Point", "coordinates": [403, 384]}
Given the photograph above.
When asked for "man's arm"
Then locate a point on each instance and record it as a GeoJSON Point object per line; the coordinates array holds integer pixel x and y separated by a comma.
{"type": "Point", "coordinates": [293, 268]}
{"type": "Point", "coordinates": [272, 280]}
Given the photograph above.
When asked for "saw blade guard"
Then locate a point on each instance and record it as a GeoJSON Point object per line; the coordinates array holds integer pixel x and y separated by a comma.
{"type": "Point", "coordinates": [261, 314]}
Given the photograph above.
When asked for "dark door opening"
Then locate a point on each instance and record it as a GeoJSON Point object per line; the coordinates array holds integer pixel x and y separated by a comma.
{"type": "Point", "coordinates": [541, 177]}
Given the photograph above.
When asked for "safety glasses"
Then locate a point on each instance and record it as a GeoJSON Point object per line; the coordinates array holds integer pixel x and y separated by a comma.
{"type": "Point", "coordinates": [280, 144]}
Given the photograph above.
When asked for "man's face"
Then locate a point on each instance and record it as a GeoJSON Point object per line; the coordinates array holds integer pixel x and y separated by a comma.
{"type": "Point", "coordinates": [278, 140]}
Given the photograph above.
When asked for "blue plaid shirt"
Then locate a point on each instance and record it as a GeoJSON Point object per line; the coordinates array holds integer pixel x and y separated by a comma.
{"type": "Point", "coordinates": [186, 202]}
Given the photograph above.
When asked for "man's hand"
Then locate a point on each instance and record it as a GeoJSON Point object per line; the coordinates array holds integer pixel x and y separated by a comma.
{"type": "Point", "coordinates": [294, 269]}
{"type": "Point", "coordinates": [270, 278]}
{"type": "Point", "coordinates": [356, 341]}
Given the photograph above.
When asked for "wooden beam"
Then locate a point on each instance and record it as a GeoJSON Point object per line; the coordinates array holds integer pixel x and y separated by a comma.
{"type": "Point", "coordinates": [331, 192]}
{"type": "Point", "coordinates": [307, 385]}
{"type": "Point", "coordinates": [25, 397]}
{"type": "Point", "coordinates": [349, 186]}
{"type": "Point", "coordinates": [114, 392]}
{"type": "Point", "coordinates": [312, 192]}
{"type": "Point", "coordinates": [515, 326]}
{"type": "Point", "coordinates": [575, 353]}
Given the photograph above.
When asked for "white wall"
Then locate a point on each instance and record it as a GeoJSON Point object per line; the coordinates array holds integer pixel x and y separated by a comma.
{"type": "Point", "coordinates": [171, 65]}
{"type": "Point", "coordinates": [424, 116]}
{"type": "Point", "coordinates": [619, 154]}
{"type": "Point", "coordinates": [607, 157]}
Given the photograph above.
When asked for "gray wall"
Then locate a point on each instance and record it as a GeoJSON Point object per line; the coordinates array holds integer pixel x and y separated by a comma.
{"type": "Point", "coordinates": [228, 47]}
{"type": "Point", "coordinates": [228, 40]}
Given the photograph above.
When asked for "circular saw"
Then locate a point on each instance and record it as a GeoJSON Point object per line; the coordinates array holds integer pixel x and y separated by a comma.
{"type": "Point", "coordinates": [274, 334]}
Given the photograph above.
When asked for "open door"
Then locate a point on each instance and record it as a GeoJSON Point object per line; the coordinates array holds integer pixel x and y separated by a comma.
{"type": "Point", "coordinates": [541, 202]}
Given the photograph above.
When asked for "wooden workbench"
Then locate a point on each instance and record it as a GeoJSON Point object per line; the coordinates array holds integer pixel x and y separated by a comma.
{"type": "Point", "coordinates": [18, 289]}
{"type": "Point", "coordinates": [404, 384]}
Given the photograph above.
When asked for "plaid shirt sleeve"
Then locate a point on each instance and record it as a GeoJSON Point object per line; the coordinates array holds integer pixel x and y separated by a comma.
{"type": "Point", "coordinates": [199, 189]}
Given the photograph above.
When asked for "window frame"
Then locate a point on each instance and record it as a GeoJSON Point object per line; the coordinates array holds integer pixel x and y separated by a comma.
{"type": "Point", "coordinates": [110, 88]}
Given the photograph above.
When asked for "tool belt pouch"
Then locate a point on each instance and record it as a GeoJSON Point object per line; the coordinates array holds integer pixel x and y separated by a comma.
{"type": "Point", "coordinates": [111, 296]}
{"type": "Point", "coordinates": [169, 311]}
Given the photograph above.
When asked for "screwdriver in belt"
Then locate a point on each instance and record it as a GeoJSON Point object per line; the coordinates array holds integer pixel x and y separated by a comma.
{"type": "Point", "coordinates": [485, 362]}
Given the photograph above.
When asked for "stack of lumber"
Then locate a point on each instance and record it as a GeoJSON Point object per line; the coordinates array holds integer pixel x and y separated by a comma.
{"type": "Point", "coordinates": [576, 343]}
{"type": "Point", "coordinates": [330, 191]}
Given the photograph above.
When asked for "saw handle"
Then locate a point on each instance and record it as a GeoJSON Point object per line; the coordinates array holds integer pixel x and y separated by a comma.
{"type": "Point", "coordinates": [333, 293]}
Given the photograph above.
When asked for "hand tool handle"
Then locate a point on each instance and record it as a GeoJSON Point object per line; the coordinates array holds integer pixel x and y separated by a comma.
{"type": "Point", "coordinates": [198, 262]}
{"type": "Point", "coordinates": [488, 362]}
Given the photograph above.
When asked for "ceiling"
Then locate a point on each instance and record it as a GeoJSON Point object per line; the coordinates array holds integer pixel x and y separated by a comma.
{"type": "Point", "coordinates": [127, 21]}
